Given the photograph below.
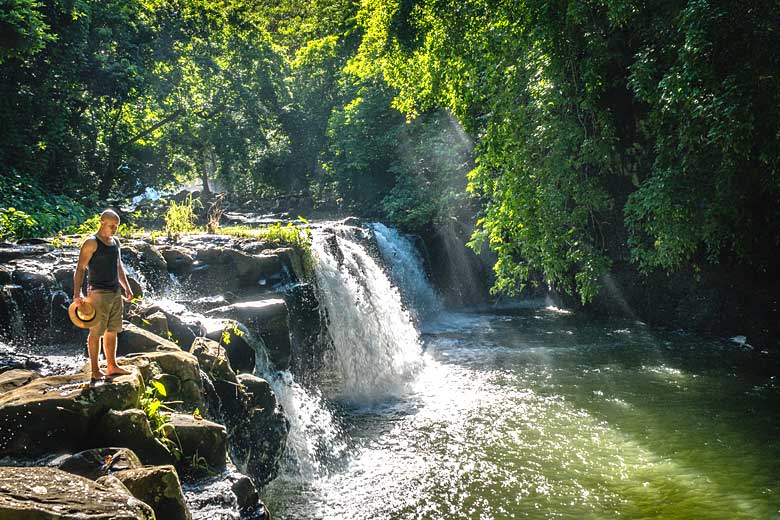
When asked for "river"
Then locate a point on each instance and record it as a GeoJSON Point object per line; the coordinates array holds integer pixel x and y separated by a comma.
{"type": "Point", "coordinates": [536, 412]}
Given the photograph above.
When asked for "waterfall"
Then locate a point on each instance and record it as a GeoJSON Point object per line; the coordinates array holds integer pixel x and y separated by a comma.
{"type": "Point", "coordinates": [10, 298]}
{"type": "Point", "coordinates": [377, 348]}
{"type": "Point", "coordinates": [407, 271]}
{"type": "Point", "coordinates": [315, 438]}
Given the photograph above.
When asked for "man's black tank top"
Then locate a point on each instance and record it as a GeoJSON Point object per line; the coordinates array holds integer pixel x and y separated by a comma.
{"type": "Point", "coordinates": [103, 272]}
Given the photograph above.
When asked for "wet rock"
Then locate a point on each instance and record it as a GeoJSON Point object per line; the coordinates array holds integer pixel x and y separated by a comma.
{"type": "Point", "coordinates": [246, 493]}
{"type": "Point", "coordinates": [151, 257]}
{"type": "Point", "coordinates": [130, 428]}
{"type": "Point", "coordinates": [33, 279]}
{"type": "Point", "coordinates": [306, 329]}
{"type": "Point", "coordinates": [15, 378]}
{"type": "Point", "coordinates": [178, 260]}
{"type": "Point", "coordinates": [134, 339]}
{"type": "Point", "coordinates": [269, 320]}
{"type": "Point", "coordinates": [261, 398]}
{"type": "Point", "coordinates": [258, 436]}
{"type": "Point", "coordinates": [160, 488]}
{"type": "Point", "coordinates": [200, 439]}
{"type": "Point", "coordinates": [213, 359]}
{"type": "Point", "coordinates": [98, 462]}
{"type": "Point", "coordinates": [161, 366]}
{"type": "Point", "coordinates": [206, 303]}
{"type": "Point", "coordinates": [156, 323]}
{"type": "Point", "coordinates": [237, 342]}
{"type": "Point", "coordinates": [53, 414]}
{"type": "Point", "coordinates": [182, 331]}
{"type": "Point", "coordinates": [237, 272]}
{"type": "Point", "coordinates": [10, 252]}
{"type": "Point", "coordinates": [49, 493]}
{"type": "Point", "coordinates": [135, 286]}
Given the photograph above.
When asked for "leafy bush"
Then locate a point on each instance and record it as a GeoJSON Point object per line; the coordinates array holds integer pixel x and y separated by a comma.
{"type": "Point", "coordinates": [27, 210]}
{"type": "Point", "coordinates": [151, 404]}
{"type": "Point", "coordinates": [180, 218]}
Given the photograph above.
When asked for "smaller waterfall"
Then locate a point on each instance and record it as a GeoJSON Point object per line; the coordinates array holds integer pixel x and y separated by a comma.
{"type": "Point", "coordinates": [315, 438]}
{"type": "Point", "coordinates": [10, 300]}
{"type": "Point", "coordinates": [407, 271]}
{"type": "Point", "coordinates": [377, 348]}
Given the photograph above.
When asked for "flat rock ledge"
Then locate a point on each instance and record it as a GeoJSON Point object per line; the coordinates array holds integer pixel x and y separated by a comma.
{"type": "Point", "coordinates": [48, 493]}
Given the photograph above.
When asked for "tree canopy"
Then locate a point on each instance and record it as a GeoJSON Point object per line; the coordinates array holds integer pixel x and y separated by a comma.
{"type": "Point", "coordinates": [587, 132]}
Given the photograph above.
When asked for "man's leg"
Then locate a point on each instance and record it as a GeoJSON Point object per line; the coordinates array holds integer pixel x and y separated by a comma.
{"type": "Point", "coordinates": [109, 346]}
{"type": "Point", "coordinates": [93, 347]}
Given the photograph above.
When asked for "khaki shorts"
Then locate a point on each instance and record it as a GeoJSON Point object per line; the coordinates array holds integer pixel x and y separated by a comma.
{"type": "Point", "coordinates": [108, 311]}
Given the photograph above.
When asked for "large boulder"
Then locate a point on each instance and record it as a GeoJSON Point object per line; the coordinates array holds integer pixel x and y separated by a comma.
{"type": "Point", "coordinates": [213, 360]}
{"type": "Point", "coordinates": [156, 323]}
{"type": "Point", "coordinates": [98, 462]}
{"type": "Point", "coordinates": [54, 414]}
{"type": "Point", "coordinates": [182, 330]}
{"type": "Point", "coordinates": [178, 371]}
{"type": "Point", "coordinates": [159, 487]}
{"type": "Point", "coordinates": [130, 428]}
{"type": "Point", "coordinates": [134, 339]}
{"type": "Point", "coordinates": [200, 439]}
{"type": "Point", "coordinates": [268, 319]}
{"type": "Point", "coordinates": [49, 494]}
{"type": "Point", "coordinates": [150, 258]}
{"type": "Point", "coordinates": [178, 260]}
{"type": "Point", "coordinates": [235, 271]}
{"type": "Point", "coordinates": [237, 341]}
{"type": "Point", "coordinates": [306, 329]}
{"type": "Point", "coordinates": [258, 436]}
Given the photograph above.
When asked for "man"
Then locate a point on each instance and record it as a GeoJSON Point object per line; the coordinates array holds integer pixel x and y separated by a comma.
{"type": "Point", "coordinates": [100, 254]}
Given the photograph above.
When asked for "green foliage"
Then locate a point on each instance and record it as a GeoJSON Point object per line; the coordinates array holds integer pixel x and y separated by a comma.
{"type": "Point", "coordinates": [27, 210]}
{"type": "Point", "coordinates": [179, 218]}
{"type": "Point", "coordinates": [152, 405]}
{"type": "Point", "coordinates": [24, 30]}
{"type": "Point", "coordinates": [230, 330]}
{"type": "Point", "coordinates": [596, 122]}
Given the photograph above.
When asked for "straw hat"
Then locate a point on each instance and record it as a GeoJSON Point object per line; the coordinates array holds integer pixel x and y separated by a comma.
{"type": "Point", "coordinates": [84, 316]}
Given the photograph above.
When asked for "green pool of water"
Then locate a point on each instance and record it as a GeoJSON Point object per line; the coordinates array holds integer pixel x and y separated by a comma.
{"type": "Point", "coordinates": [543, 414]}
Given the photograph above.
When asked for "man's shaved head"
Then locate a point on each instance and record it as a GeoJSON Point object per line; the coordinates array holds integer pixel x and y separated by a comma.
{"type": "Point", "coordinates": [109, 214]}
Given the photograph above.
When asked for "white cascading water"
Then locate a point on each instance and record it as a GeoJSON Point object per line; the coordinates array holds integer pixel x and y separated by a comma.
{"type": "Point", "coordinates": [407, 271]}
{"type": "Point", "coordinates": [377, 347]}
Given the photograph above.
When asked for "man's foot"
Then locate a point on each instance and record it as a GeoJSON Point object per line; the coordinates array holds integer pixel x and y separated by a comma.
{"type": "Point", "coordinates": [116, 371]}
{"type": "Point", "coordinates": [97, 376]}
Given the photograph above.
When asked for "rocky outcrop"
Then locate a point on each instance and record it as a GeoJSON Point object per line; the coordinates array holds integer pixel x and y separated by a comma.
{"type": "Point", "coordinates": [258, 435]}
{"type": "Point", "coordinates": [15, 378]}
{"type": "Point", "coordinates": [200, 440]}
{"type": "Point", "coordinates": [130, 428]}
{"type": "Point", "coordinates": [237, 341]}
{"type": "Point", "coordinates": [55, 414]}
{"type": "Point", "coordinates": [49, 493]}
{"type": "Point", "coordinates": [98, 462]}
{"type": "Point", "coordinates": [177, 259]}
{"type": "Point", "coordinates": [159, 487]}
{"type": "Point", "coordinates": [217, 271]}
{"type": "Point", "coordinates": [269, 320]}
{"type": "Point", "coordinates": [134, 339]}
{"type": "Point", "coordinates": [178, 371]}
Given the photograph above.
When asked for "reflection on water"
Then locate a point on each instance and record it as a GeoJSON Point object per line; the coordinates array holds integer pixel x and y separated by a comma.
{"type": "Point", "coordinates": [541, 414]}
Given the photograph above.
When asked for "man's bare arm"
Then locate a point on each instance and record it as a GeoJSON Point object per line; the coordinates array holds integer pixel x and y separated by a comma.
{"type": "Point", "coordinates": [123, 280]}
{"type": "Point", "coordinates": [88, 249]}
